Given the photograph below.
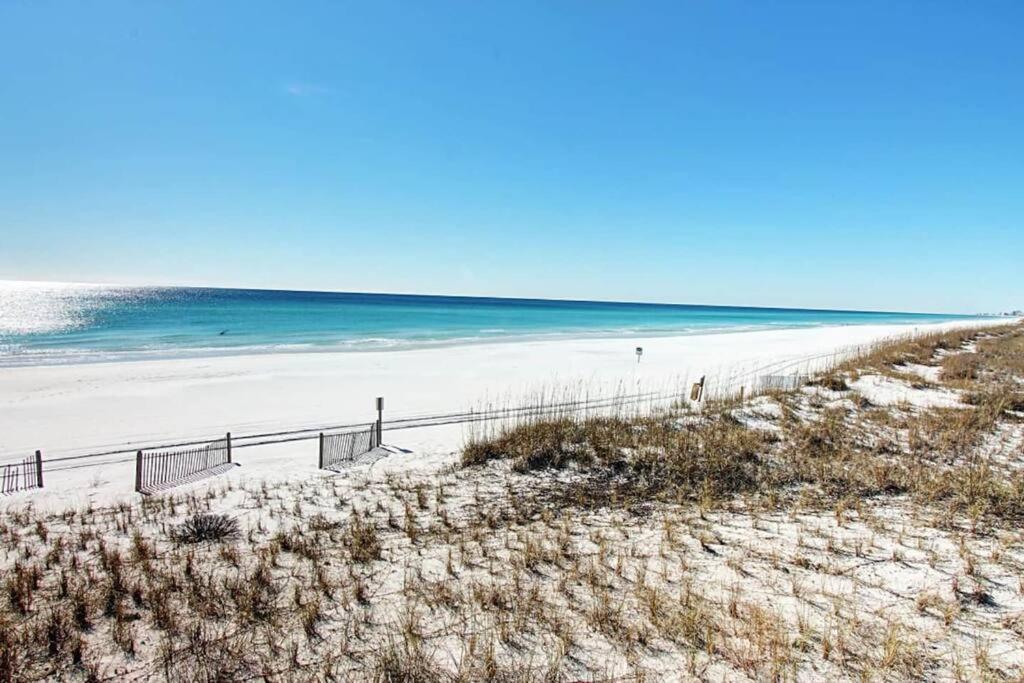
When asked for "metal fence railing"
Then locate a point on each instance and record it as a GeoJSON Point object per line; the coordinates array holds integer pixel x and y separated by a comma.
{"type": "Point", "coordinates": [156, 470]}
{"type": "Point", "coordinates": [21, 476]}
{"type": "Point", "coordinates": [344, 448]}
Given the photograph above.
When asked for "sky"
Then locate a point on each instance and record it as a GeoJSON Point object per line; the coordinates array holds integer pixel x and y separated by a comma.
{"type": "Point", "coordinates": [855, 155]}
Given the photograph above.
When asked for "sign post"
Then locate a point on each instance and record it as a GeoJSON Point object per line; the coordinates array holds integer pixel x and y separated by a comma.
{"type": "Point", "coordinates": [380, 418]}
{"type": "Point", "coordinates": [639, 352]}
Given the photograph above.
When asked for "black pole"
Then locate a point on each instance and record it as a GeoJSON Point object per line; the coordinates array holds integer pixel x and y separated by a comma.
{"type": "Point", "coordinates": [380, 419]}
{"type": "Point", "coordinates": [138, 472]}
{"type": "Point", "coordinates": [39, 468]}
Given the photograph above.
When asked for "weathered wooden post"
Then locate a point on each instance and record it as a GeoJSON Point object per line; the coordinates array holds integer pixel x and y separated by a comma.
{"type": "Point", "coordinates": [138, 472]}
{"type": "Point", "coordinates": [321, 461]}
{"type": "Point", "coordinates": [380, 419]}
{"type": "Point", "coordinates": [697, 392]}
{"type": "Point", "coordinates": [229, 449]}
{"type": "Point", "coordinates": [39, 468]}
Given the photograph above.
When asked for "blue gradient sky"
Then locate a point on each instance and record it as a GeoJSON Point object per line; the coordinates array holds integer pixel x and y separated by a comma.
{"type": "Point", "coordinates": [823, 154]}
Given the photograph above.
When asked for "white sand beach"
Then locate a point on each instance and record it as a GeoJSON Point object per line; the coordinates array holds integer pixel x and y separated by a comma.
{"type": "Point", "coordinates": [81, 409]}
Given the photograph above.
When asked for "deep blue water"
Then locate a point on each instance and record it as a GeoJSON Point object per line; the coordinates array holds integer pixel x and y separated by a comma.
{"type": "Point", "coordinates": [60, 323]}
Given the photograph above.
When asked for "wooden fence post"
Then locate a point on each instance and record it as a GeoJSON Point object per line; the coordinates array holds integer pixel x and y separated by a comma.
{"type": "Point", "coordinates": [39, 468]}
{"type": "Point", "coordinates": [697, 392]}
{"type": "Point", "coordinates": [320, 461]}
{"type": "Point", "coordinates": [138, 472]}
{"type": "Point", "coordinates": [229, 448]}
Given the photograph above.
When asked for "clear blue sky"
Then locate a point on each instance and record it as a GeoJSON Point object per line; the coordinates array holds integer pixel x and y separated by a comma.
{"type": "Point", "coordinates": [827, 154]}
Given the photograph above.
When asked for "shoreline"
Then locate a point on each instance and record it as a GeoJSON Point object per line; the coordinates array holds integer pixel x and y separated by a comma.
{"type": "Point", "coordinates": [397, 345]}
{"type": "Point", "coordinates": [67, 410]}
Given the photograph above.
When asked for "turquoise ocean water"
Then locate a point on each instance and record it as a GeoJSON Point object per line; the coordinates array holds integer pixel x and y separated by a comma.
{"type": "Point", "coordinates": [43, 323]}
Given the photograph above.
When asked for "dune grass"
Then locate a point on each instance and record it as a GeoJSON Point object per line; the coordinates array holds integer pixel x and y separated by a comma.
{"type": "Point", "coordinates": [836, 453]}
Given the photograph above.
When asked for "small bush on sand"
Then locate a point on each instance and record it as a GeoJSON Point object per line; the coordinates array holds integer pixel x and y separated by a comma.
{"type": "Point", "coordinates": [200, 528]}
{"type": "Point", "coordinates": [361, 540]}
{"type": "Point", "coordinates": [832, 382]}
{"type": "Point", "coordinates": [405, 663]}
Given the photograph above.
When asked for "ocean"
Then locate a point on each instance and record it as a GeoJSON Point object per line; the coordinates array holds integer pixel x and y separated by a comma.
{"type": "Point", "coordinates": [54, 323]}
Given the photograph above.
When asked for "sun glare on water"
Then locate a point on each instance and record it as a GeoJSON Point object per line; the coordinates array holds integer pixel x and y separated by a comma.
{"type": "Point", "coordinates": [47, 307]}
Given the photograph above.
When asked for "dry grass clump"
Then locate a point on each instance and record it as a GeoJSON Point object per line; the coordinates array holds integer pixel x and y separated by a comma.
{"type": "Point", "coordinates": [205, 527]}
{"type": "Point", "coordinates": [950, 434]}
{"type": "Point", "coordinates": [405, 662]}
{"type": "Point", "coordinates": [649, 457]}
{"type": "Point", "coordinates": [555, 443]}
{"type": "Point", "coordinates": [961, 366]}
{"type": "Point", "coordinates": [361, 540]}
{"type": "Point", "coordinates": [998, 399]}
{"type": "Point", "coordinates": [977, 488]}
{"type": "Point", "coordinates": [714, 457]}
{"type": "Point", "coordinates": [833, 381]}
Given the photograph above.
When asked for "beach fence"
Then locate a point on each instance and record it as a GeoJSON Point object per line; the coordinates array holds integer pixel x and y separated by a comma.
{"type": "Point", "coordinates": [746, 386]}
{"type": "Point", "coordinates": [769, 383]}
{"type": "Point", "coordinates": [157, 470]}
{"type": "Point", "coordinates": [22, 476]}
{"type": "Point", "coordinates": [344, 448]}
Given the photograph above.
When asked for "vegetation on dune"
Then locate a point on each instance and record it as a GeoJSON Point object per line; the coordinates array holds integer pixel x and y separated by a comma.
{"type": "Point", "coordinates": [204, 527]}
{"type": "Point", "coordinates": [838, 452]}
